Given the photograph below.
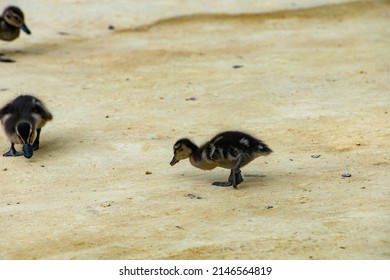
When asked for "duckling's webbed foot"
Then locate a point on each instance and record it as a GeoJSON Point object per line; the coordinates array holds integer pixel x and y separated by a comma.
{"type": "Point", "coordinates": [235, 179]}
{"type": "Point", "coordinates": [12, 152]}
{"type": "Point", "coordinates": [222, 184]}
{"type": "Point", "coordinates": [225, 184]}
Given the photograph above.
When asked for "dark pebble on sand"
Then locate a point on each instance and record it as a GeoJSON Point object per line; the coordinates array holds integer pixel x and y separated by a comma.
{"type": "Point", "coordinates": [192, 196]}
{"type": "Point", "coordinates": [346, 174]}
{"type": "Point", "coordinates": [7, 60]}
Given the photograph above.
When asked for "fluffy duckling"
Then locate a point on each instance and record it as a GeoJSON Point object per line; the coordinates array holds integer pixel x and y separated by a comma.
{"type": "Point", "coordinates": [11, 22]}
{"type": "Point", "coordinates": [23, 119]}
{"type": "Point", "coordinates": [230, 149]}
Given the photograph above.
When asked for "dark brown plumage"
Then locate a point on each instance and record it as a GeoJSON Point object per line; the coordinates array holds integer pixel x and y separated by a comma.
{"type": "Point", "coordinates": [11, 21]}
{"type": "Point", "coordinates": [23, 119]}
{"type": "Point", "coordinates": [230, 149]}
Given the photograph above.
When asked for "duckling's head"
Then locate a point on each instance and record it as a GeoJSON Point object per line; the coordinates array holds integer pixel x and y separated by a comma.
{"type": "Point", "coordinates": [15, 17]}
{"type": "Point", "coordinates": [182, 149]}
{"type": "Point", "coordinates": [25, 133]}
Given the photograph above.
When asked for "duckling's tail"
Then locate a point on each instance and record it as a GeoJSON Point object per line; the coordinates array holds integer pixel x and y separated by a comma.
{"type": "Point", "coordinates": [264, 149]}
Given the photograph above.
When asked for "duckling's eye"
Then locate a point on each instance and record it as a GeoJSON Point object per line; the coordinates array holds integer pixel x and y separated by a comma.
{"type": "Point", "coordinates": [177, 150]}
{"type": "Point", "coordinates": [12, 17]}
{"type": "Point", "coordinates": [178, 147]}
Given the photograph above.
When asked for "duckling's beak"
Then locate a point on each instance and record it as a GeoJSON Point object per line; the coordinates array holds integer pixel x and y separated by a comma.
{"type": "Point", "coordinates": [27, 150]}
{"type": "Point", "coordinates": [25, 28]}
{"type": "Point", "coordinates": [174, 161]}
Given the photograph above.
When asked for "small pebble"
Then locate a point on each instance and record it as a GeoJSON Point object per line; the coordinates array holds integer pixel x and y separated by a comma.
{"type": "Point", "coordinates": [111, 27]}
{"type": "Point", "coordinates": [315, 156]}
{"type": "Point", "coordinates": [191, 99]}
{"type": "Point", "coordinates": [148, 172]}
{"type": "Point", "coordinates": [237, 66]}
{"type": "Point", "coordinates": [7, 60]}
{"type": "Point", "coordinates": [107, 204]}
{"type": "Point", "coordinates": [192, 196]}
{"type": "Point", "coordinates": [268, 207]}
{"type": "Point", "coordinates": [346, 174]}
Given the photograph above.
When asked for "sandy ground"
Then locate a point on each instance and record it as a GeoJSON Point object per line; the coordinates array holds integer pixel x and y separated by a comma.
{"type": "Point", "coordinates": [312, 81]}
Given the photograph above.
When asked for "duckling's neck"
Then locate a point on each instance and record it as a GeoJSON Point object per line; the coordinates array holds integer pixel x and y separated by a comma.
{"type": "Point", "coordinates": [199, 160]}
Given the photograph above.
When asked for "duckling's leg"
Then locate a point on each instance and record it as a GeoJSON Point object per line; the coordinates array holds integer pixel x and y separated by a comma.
{"type": "Point", "coordinates": [239, 178]}
{"type": "Point", "coordinates": [235, 177]}
{"type": "Point", "coordinates": [35, 145]}
{"type": "Point", "coordinates": [12, 152]}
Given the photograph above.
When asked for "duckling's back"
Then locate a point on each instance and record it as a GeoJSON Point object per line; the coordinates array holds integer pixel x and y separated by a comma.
{"type": "Point", "coordinates": [225, 147]}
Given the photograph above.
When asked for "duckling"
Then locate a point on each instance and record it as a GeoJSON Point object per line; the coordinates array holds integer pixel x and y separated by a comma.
{"type": "Point", "coordinates": [23, 119]}
{"type": "Point", "coordinates": [231, 150]}
{"type": "Point", "coordinates": [11, 22]}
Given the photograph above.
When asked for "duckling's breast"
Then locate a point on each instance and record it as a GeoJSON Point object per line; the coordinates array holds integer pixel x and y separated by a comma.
{"type": "Point", "coordinates": [230, 161]}
{"type": "Point", "coordinates": [202, 164]}
{"type": "Point", "coordinates": [8, 32]}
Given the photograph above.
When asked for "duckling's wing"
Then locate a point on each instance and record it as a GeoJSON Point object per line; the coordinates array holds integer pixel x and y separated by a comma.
{"type": "Point", "coordinates": [235, 142]}
{"type": "Point", "coordinates": [222, 149]}
{"type": "Point", "coordinates": [41, 110]}
{"type": "Point", "coordinates": [7, 109]}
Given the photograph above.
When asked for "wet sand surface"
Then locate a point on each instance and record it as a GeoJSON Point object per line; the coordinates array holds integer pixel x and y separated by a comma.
{"type": "Point", "coordinates": [312, 82]}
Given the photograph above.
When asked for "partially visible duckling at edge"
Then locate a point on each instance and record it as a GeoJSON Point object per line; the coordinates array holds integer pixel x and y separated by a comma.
{"type": "Point", "coordinates": [11, 22]}
{"type": "Point", "coordinates": [23, 119]}
{"type": "Point", "coordinates": [230, 149]}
